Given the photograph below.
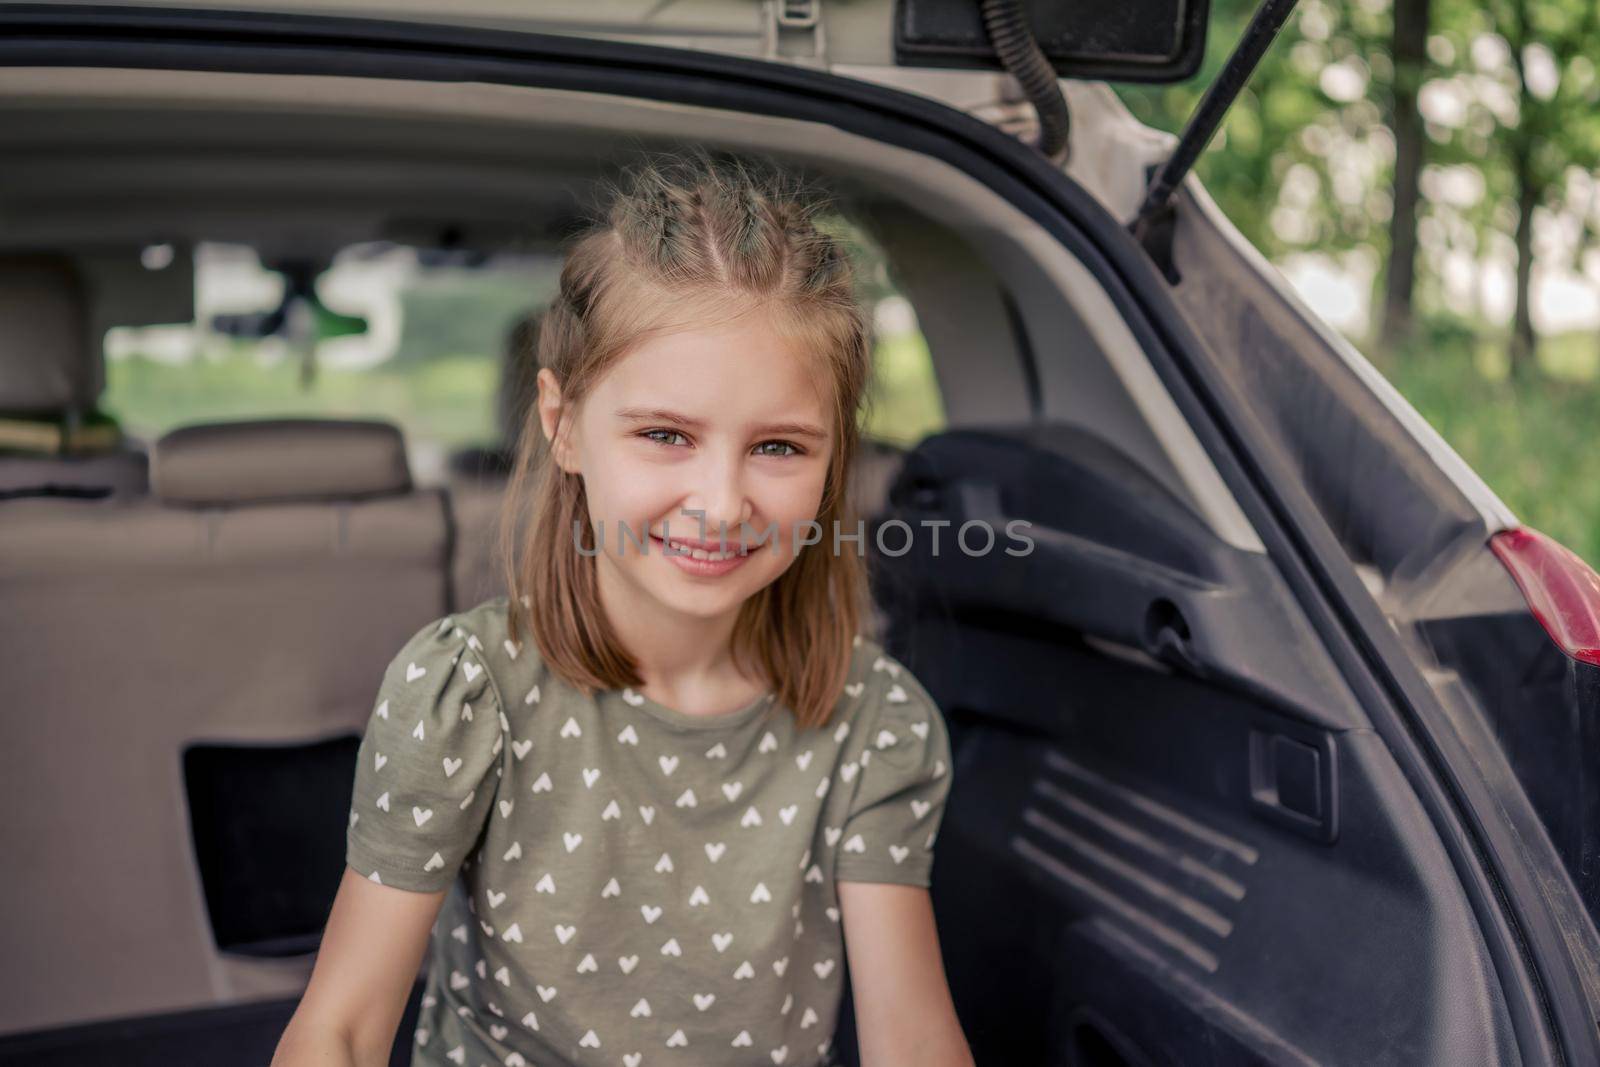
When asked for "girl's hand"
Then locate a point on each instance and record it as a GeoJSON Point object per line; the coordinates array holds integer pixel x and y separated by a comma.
{"type": "Point", "coordinates": [904, 1014]}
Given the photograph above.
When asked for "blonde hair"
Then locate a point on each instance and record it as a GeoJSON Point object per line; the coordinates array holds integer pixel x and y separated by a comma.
{"type": "Point", "coordinates": [686, 239]}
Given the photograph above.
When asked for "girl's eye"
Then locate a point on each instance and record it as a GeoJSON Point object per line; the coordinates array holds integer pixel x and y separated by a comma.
{"type": "Point", "coordinates": [670, 433]}
{"type": "Point", "coordinates": [761, 449]}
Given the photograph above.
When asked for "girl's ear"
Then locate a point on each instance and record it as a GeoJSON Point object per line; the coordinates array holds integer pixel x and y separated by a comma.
{"type": "Point", "coordinates": [550, 412]}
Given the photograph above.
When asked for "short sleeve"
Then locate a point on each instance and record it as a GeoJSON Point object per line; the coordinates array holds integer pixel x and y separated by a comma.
{"type": "Point", "coordinates": [905, 778]}
{"type": "Point", "coordinates": [425, 771]}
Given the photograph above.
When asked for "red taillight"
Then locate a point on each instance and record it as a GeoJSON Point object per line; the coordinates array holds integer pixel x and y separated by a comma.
{"type": "Point", "coordinates": [1562, 591]}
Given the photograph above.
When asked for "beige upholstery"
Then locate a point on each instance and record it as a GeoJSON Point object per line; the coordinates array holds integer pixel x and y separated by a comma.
{"type": "Point", "coordinates": [124, 472]}
{"type": "Point", "coordinates": [44, 346]}
{"type": "Point", "coordinates": [260, 460]}
{"type": "Point", "coordinates": [48, 372]}
{"type": "Point", "coordinates": [519, 377]}
{"type": "Point", "coordinates": [133, 629]}
{"type": "Point", "coordinates": [475, 568]}
{"type": "Point", "coordinates": [478, 475]}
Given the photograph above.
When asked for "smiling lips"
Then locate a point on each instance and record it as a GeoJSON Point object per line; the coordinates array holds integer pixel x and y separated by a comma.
{"type": "Point", "coordinates": [704, 551]}
{"type": "Point", "coordinates": [702, 559]}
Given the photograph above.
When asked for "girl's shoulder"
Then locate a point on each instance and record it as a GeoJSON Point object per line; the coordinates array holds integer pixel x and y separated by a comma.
{"type": "Point", "coordinates": [513, 663]}
{"type": "Point", "coordinates": [881, 688]}
{"type": "Point", "coordinates": [871, 660]}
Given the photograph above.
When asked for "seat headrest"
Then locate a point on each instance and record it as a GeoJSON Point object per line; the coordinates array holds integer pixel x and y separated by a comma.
{"type": "Point", "coordinates": [92, 477]}
{"type": "Point", "coordinates": [519, 376]}
{"type": "Point", "coordinates": [279, 460]}
{"type": "Point", "coordinates": [44, 337]}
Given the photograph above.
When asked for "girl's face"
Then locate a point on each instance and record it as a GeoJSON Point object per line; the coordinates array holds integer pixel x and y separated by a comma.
{"type": "Point", "coordinates": [727, 424]}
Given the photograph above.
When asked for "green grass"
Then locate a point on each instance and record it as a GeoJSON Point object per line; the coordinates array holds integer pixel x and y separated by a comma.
{"type": "Point", "coordinates": [904, 405]}
{"type": "Point", "coordinates": [1534, 443]}
{"type": "Point", "coordinates": [448, 400]}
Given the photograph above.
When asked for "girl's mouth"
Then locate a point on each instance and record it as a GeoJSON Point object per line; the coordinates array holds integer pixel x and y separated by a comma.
{"type": "Point", "coordinates": [699, 561]}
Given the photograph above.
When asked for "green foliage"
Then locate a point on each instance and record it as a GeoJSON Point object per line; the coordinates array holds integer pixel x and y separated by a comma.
{"type": "Point", "coordinates": [1531, 441]}
{"type": "Point", "coordinates": [1304, 160]}
{"type": "Point", "coordinates": [903, 402]}
{"type": "Point", "coordinates": [1286, 118]}
{"type": "Point", "coordinates": [1305, 163]}
{"type": "Point", "coordinates": [905, 405]}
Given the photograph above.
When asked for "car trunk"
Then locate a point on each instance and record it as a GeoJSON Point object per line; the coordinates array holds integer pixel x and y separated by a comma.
{"type": "Point", "coordinates": [1176, 833]}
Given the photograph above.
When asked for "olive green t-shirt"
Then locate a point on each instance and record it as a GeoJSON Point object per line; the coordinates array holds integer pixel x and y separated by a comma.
{"type": "Point", "coordinates": [637, 886]}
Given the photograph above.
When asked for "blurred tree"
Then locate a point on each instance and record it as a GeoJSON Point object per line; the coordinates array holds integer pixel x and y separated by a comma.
{"type": "Point", "coordinates": [1419, 134]}
{"type": "Point", "coordinates": [1302, 162]}
{"type": "Point", "coordinates": [1530, 127]}
{"type": "Point", "coordinates": [1482, 153]}
{"type": "Point", "coordinates": [1409, 45]}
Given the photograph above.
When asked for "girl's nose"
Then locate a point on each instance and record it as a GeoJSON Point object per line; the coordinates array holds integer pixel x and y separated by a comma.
{"type": "Point", "coordinates": [719, 496]}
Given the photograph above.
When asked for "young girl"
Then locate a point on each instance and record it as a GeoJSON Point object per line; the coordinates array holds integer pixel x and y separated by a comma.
{"type": "Point", "coordinates": [652, 805]}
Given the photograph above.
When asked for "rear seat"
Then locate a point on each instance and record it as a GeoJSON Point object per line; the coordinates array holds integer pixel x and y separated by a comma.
{"type": "Point", "coordinates": [49, 376]}
{"type": "Point", "coordinates": [157, 655]}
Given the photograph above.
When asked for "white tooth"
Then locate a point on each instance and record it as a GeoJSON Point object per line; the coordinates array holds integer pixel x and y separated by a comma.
{"type": "Point", "coordinates": [679, 548]}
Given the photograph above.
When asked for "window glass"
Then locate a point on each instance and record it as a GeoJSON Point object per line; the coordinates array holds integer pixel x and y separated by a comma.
{"type": "Point", "coordinates": [904, 404]}
{"type": "Point", "coordinates": [400, 335]}
{"type": "Point", "coordinates": [417, 338]}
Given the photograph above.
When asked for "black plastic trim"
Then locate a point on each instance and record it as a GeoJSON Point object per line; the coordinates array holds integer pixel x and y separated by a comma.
{"type": "Point", "coordinates": [1538, 979]}
{"type": "Point", "coordinates": [940, 33]}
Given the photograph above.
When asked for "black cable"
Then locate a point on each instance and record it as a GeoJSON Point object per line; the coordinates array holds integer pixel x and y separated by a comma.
{"type": "Point", "coordinates": [1020, 54]}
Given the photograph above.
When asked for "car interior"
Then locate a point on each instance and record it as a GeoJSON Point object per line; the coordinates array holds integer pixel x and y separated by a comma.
{"type": "Point", "coordinates": [1172, 837]}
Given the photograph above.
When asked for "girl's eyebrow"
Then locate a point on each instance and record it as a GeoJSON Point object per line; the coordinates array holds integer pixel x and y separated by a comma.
{"type": "Point", "coordinates": [796, 429]}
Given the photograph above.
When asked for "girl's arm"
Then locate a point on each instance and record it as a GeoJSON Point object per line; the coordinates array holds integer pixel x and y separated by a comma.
{"type": "Point", "coordinates": [371, 951]}
{"type": "Point", "coordinates": [904, 1014]}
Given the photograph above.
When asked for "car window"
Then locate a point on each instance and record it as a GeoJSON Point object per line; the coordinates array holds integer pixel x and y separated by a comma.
{"type": "Point", "coordinates": [904, 404]}
{"type": "Point", "coordinates": [413, 336]}
{"type": "Point", "coordinates": [408, 336]}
